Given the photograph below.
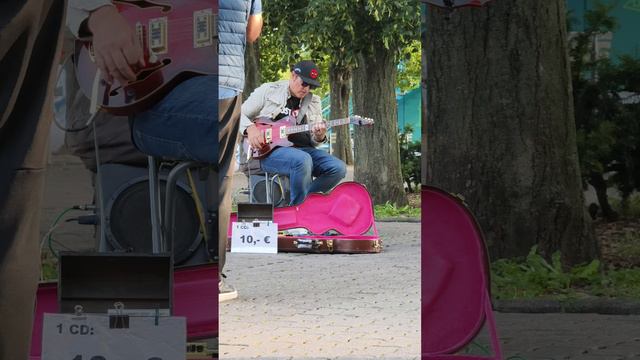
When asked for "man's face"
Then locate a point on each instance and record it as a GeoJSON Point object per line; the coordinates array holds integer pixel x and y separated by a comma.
{"type": "Point", "coordinates": [297, 86]}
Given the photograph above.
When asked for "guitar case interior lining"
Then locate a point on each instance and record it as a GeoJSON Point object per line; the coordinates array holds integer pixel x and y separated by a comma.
{"type": "Point", "coordinates": [340, 221]}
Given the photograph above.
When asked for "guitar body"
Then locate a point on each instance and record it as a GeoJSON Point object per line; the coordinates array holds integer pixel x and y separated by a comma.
{"type": "Point", "coordinates": [347, 211]}
{"type": "Point", "coordinates": [177, 38]}
{"type": "Point", "coordinates": [274, 134]}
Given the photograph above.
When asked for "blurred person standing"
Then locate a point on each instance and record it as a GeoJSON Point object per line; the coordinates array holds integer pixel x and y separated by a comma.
{"type": "Point", "coordinates": [240, 21]}
{"type": "Point", "coordinates": [29, 48]}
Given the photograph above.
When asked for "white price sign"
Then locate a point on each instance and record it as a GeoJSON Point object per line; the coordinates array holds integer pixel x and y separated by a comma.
{"type": "Point", "coordinates": [89, 337]}
{"type": "Point", "coordinates": [254, 237]}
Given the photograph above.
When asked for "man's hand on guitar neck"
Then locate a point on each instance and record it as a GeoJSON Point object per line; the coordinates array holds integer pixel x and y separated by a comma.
{"type": "Point", "coordinates": [115, 45]}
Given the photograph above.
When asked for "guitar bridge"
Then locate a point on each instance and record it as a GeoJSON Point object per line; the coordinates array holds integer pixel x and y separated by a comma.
{"type": "Point", "coordinates": [203, 25]}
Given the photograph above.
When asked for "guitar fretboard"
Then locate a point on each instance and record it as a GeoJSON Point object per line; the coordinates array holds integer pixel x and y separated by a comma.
{"type": "Point", "coordinates": [306, 127]}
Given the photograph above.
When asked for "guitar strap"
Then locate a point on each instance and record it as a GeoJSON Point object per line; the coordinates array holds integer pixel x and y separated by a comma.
{"type": "Point", "coordinates": [304, 106]}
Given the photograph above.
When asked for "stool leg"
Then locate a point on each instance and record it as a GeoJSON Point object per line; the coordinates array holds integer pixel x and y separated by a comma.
{"type": "Point", "coordinates": [212, 205]}
{"type": "Point", "coordinates": [154, 201]}
{"type": "Point", "coordinates": [170, 200]}
{"type": "Point", "coordinates": [272, 186]}
{"type": "Point", "coordinates": [266, 187]}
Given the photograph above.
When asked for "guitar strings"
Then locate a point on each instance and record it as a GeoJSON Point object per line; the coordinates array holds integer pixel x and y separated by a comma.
{"type": "Point", "coordinates": [293, 129]}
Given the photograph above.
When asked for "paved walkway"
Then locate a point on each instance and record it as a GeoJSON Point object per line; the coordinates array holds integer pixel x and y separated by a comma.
{"type": "Point", "coordinates": [569, 336]}
{"type": "Point", "coordinates": [295, 306]}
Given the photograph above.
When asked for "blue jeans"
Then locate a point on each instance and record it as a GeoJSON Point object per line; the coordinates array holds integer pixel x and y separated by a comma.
{"type": "Point", "coordinates": [300, 164]}
{"type": "Point", "coordinates": [184, 124]}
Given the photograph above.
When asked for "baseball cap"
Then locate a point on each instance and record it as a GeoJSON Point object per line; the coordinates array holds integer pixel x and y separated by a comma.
{"type": "Point", "coordinates": [308, 71]}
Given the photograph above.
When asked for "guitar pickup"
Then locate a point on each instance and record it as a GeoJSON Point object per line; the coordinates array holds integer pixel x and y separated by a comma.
{"type": "Point", "coordinates": [203, 28]}
{"type": "Point", "coordinates": [158, 39]}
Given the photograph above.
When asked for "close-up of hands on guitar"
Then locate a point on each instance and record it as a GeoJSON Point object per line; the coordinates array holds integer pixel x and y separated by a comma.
{"type": "Point", "coordinates": [129, 57]}
{"type": "Point", "coordinates": [117, 53]}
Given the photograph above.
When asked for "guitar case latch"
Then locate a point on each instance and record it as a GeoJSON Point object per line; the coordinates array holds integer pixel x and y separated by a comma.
{"type": "Point", "coordinates": [376, 245]}
{"type": "Point", "coordinates": [330, 245]}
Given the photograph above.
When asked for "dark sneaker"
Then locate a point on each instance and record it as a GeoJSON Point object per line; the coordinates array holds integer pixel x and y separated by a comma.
{"type": "Point", "coordinates": [226, 292]}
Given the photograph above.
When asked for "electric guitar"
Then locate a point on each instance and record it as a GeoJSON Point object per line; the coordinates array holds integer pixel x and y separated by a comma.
{"type": "Point", "coordinates": [276, 132]}
{"type": "Point", "coordinates": [178, 41]}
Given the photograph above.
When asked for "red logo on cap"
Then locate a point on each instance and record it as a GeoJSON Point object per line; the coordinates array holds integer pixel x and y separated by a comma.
{"type": "Point", "coordinates": [314, 74]}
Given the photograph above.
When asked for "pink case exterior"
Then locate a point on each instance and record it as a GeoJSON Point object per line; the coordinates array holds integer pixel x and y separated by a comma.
{"type": "Point", "coordinates": [455, 278]}
{"type": "Point", "coordinates": [195, 296]}
{"type": "Point", "coordinates": [347, 209]}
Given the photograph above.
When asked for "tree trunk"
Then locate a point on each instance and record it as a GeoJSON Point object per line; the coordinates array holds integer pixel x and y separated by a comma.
{"type": "Point", "coordinates": [253, 78]}
{"type": "Point", "coordinates": [600, 186]}
{"type": "Point", "coordinates": [339, 83]}
{"type": "Point", "coordinates": [409, 185]}
{"type": "Point", "coordinates": [377, 151]}
{"type": "Point", "coordinates": [423, 108]}
{"type": "Point", "coordinates": [500, 125]}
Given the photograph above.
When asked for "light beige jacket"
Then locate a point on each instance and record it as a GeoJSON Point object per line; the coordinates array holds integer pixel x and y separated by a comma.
{"type": "Point", "coordinates": [79, 10]}
{"type": "Point", "coordinates": [270, 99]}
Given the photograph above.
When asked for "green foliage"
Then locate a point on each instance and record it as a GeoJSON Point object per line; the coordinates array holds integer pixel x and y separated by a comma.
{"type": "Point", "coordinates": [48, 267]}
{"type": "Point", "coordinates": [623, 283]}
{"type": "Point", "coordinates": [323, 63]}
{"type": "Point", "coordinates": [607, 123]}
{"type": "Point", "coordinates": [628, 246]}
{"type": "Point", "coordinates": [280, 46]}
{"type": "Point", "coordinates": [410, 159]}
{"type": "Point", "coordinates": [535, 277]}
{"type": "Point", "coordinates": [629, 207]}
{"type": "Point", "coordinates": [335, 31]}
{"type": "Point", "coordinates": [389, 210]}
{"type": "Point", "coordinates": [410, 68]}
{"type": "Point", "coordinates": [593, 144]}
{"type": "Point", "coordinates": [531, 278]}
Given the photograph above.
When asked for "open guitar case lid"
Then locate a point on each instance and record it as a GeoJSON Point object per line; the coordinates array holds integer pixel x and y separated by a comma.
{"type": "Point", "coordinates": [341, 221]}
{"type": "Point", "coordinates": [194, 295]}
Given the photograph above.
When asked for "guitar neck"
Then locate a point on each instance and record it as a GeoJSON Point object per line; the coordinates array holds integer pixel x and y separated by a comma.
{"type": "Point", "coordinates": [306, 127]}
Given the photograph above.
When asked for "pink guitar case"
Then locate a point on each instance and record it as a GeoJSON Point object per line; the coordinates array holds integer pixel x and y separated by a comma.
{"type": "Point", "coordinates": [195, 296]}
{"type": "Point", "coordinates": [456, 302]}
{"type": "Point", "coordinates": [340, 221]}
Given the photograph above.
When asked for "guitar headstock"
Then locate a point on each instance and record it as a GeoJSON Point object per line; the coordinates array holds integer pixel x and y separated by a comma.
{"type": "Point", "coordinates": [360, 120]}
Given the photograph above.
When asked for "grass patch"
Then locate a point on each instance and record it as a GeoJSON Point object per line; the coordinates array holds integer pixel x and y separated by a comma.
{"type": "Point", "coordinates": [535, 277]}
{"type": "Point", "coordinates": [629, 208]}
{"type": "Point", "coordinates": [389, 210]}
{"type": "Point", "coordinates": [629, 244]}
{"type": "Point", "coordinates": [49, 267]}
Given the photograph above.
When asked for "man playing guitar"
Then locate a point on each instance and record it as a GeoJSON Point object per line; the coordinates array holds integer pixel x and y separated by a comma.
{"type": "Point", "coordinates": [293, 98]}
{"type": "Point", "coordinates": [181, 125]}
